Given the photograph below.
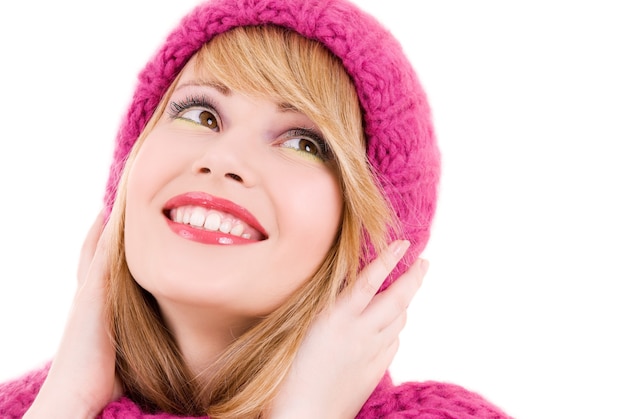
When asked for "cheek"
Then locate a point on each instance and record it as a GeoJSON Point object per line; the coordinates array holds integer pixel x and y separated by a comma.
{"type": "Point", "coordinates": [158, 162]}
{"type": "Point", "coordinates": [309, 214]}
{"type": "Point", "coordinates": [150, 167]}
{"type": "Point", "coordinates": [317, 208]}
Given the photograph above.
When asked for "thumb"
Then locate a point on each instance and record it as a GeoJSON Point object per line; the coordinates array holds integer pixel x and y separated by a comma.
{"type": "Point", "coordinates": [373, 275]}
{"type": "Point", "coordinates": [88, 248]}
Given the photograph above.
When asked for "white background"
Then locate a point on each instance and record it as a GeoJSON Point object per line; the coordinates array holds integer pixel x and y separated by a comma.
{"type": "Point", "coordinates": [524, 301]}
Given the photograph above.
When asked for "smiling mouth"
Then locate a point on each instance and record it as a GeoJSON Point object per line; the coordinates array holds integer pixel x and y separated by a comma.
{"type": "Point", "coordinates": [212, 220]}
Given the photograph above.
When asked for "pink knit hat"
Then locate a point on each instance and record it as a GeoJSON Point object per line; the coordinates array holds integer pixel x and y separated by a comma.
{"type": "Point", "coordinates": [401, 143]}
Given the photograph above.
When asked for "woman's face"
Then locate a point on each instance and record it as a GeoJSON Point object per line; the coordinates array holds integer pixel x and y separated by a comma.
{"type": "Point", "coordinates": [232, 201]}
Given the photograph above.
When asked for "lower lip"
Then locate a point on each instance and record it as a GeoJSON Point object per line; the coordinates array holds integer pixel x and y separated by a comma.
{"type": "Point", "coordinates": [205, 236]}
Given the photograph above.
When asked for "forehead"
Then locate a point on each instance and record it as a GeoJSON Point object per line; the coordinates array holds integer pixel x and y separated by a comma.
{"type": "Point", "coordinates": [193, 75]}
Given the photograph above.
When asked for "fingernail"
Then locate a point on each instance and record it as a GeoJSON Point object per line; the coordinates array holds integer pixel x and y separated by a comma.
{"type": "Point", "coordinates": [400, 247]}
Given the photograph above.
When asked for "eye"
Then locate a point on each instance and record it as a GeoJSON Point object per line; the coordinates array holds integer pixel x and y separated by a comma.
{"type": "Point", "coordinates": [308, 142]}
{"type": "Point", "coordinates": [303, 144]}
{"type": "Point", "coordinates": [203, 117]}
{"type": "Point", "coordinates": [196, 109]}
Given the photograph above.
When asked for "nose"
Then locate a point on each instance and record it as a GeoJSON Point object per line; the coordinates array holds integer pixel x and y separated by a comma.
{"type": "Point", "coordinates": [227, 158]}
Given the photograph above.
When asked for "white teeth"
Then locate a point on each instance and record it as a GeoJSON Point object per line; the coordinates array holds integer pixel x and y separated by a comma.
{"type": "Point", "coordinates": [197, 218]}
{"type": "Point", "coordinates": [186, 215]}
{"type": "Point", "coordinates": [213, 221]}
{"type": "Point", "coordinates": [177, 215]}
{"type": "Point", "coordinates": [210, 220]}
{"type": "Point", "coordinates": [226, 226]}
{"type": "Point", "coordinates": [237, 230]}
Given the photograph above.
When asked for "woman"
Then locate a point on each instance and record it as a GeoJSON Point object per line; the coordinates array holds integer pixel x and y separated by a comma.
{"type": "Point", "coordinates": [271, 151]}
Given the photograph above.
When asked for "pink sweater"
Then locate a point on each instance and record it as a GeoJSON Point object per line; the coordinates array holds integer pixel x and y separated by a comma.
{"type": "Point", "coordinates": [428, 400]}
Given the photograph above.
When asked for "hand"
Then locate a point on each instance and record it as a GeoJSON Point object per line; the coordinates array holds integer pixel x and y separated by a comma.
{"type": "Point", "coordinates": [350, 346]}
{"type": "Point", "coordinates": [81, 380]}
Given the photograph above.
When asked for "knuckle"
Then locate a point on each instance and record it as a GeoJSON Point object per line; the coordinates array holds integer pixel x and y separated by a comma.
{"type": "Point", "coordinates": [403, 319]}
{"type": "Point", "coordinates": [367, 287]}
{"type": "Point", "coordinates": [399, 303]}
{"type": "Point", "coordinates": [387, 262]}
{"type": "Point", "coordinates": [393, 348]}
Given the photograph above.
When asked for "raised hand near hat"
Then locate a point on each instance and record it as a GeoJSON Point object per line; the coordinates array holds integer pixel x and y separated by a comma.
{"type": "Point", "coordinates": [351, 344]}
{"type": "Point", "coordinates": [81, 380]}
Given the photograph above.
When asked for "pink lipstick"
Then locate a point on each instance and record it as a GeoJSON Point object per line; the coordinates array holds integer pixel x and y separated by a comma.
{"type": "Point", "coordinates": [207, 219]}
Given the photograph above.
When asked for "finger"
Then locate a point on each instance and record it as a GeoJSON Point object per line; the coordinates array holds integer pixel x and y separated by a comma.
{"type": "Point", "coordinates": [89, 246]}
{"type": "Point", "coordinates": [383, 358]}
{"type": "Point", "coordinates": [393, 329]}
{"type": "Point", "coordinates": [373, 275]}
{"type": "Point", "coordinates": [391, 303]}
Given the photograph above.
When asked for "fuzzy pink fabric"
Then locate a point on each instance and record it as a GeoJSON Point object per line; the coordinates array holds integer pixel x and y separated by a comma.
{"type": "Point", "coordinates": [401, 141]}
{"type": "Point", "coordinates": [401, 148]}
{"type": "Point", "coordinates": [428, 400]}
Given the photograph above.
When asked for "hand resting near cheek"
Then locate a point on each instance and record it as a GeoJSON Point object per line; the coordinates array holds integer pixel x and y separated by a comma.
{"type": "Point", "coordinates": [342, 359]}
{"type": "Point", "coordinates": [351, 345]}
{"type": "Point", "coordinates": [81, 380]}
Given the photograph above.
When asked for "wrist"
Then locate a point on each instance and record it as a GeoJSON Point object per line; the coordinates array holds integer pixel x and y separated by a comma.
{"type": "Point", "coordinates": [48, 409]}
{"type": "Point", "coordinates": [49, 404]}
{"type": "Point", "coordinates": [303, 412]}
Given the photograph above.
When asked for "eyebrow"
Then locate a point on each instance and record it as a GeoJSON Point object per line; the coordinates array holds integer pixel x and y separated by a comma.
{"type": "Point", "coordinates": [282, 107]}
{"type": "Point", "coordinates": [206, 83]}
{"type": "Point", "coordinates": [287, 107]}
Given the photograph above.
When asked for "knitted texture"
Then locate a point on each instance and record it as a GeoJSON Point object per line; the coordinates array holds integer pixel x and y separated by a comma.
{"type": "Point", "coordinates": [428, 400]}
{"type": "Point", "coordinates": [17, 396]}
{"type": "Point", "coordinates": [401, 148]}
{"type": "Point", "coordinates": [401, 144]}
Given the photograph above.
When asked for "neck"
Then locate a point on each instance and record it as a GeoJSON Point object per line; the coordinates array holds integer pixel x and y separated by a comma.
{"type": "Point", "coordinates": [202, 334]}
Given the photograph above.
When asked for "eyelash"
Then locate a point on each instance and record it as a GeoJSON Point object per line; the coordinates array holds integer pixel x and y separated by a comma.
{"type": "Point", "coordinates": [178, 108]}
{"type": "Point", "coordinates": [325, 151]}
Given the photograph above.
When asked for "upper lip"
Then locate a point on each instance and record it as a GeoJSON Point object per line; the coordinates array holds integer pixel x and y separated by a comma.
{"type": "Point", "coordinates": [208, 201]}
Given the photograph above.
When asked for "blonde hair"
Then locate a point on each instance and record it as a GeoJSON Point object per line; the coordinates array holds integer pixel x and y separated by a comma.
{"type": "Point", "coordinates": [280, 64]}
